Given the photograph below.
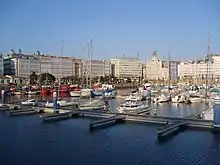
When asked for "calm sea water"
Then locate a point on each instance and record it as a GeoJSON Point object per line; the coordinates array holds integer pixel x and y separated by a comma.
{"type": "Point", "coordinates": [27, 140]}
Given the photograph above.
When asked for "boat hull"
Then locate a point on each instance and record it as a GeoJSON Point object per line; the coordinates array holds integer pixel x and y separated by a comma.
{"type": "Point", "coordinates": [196, 100]}
{"type": "Point", "coordinates": [75, 93]}
{"type": "Point", "coordinates": [45, 91]}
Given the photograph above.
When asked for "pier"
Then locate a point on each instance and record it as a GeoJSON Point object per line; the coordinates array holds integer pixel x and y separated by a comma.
{"type": "Point", "coordinates": [29, 111]}
{"type": "Point", "coordinates": [59, 116]}
{"type": "Point", "coordinates": [170, 129]}
{"type": "Point", "coordinates": [106, 122]}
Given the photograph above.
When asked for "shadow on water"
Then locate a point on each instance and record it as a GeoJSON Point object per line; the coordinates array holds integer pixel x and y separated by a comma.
{"type": "Point", "coordinates": [104, 127]}
{"type": "Point", "coordinates": [171, 136]}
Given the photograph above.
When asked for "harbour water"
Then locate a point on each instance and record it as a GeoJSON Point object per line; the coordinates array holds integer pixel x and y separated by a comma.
{"type": "Point", "coordinates": [27, 140]}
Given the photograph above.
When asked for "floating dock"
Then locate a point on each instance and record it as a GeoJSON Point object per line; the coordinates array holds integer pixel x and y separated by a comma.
{"type": "Point", "coordinates": [106, 122]}
{"type": "Point", "coordinates": [59, 116]}
{"type": "Point", "coordinates": [29, 111]}
{"type": "Point", "coordinates": [170, 129]}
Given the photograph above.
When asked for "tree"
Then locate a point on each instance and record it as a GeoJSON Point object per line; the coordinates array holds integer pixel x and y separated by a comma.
{"type": "Point", "coordinates": [101, 79]}
{"type": "Point", "coordinates": [46, 77]}
{"type": "Point", "coordinates": [33, 78]}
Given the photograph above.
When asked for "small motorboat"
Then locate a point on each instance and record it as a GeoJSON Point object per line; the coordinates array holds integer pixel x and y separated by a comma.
{"type": "Point", "coordinates": [29, 102]}
{"type": "Point", "coordinates": [61, 103]}
{"type": "Point", "coordinates": [85, 92]}
{"type": "Point", "coordinates": [161, 99]}
{"type": "Point", "coordinates": [32, 92]}
{"type": "Point", "coordinates": [93, 104]}
{"type": "Point", "coordinates": [179, 99]}
{"type": "Point", "coordinates": [132, 105]}
{"type": "Point", "coordinates": [196, 99]}
{"type": "Point", "coordinates": [75, 93]}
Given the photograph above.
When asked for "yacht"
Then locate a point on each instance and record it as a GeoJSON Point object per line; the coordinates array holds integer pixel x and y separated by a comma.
{"type": "Point", "coordinates": [130, 98]}
{"type": "Point", "coordinates": [179, 99]}
{"type": "Point", "coordinates": [132, 105]}
{"type": "Point", "coordinates": [161, 99]}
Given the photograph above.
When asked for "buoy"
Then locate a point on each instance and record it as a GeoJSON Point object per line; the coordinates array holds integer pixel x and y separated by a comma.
{"type": "Point", "coordinates": [55, 105]}
{"type": "Point", "coordinates": [4, 101]}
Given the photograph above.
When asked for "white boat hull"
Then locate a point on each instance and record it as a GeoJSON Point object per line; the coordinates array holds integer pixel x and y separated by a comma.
{"type": "Point", "coordinates": [61, 104]}
{"type": "Point", "coordinates": [132, 109]}
{"type": "Point", "coordinates": [178, 99]}
{"type": "Point", "coordinates": [85, 93]}
{"type": "Point", "coordinates": [75, 93]}
{"type": "Point", "coordinates": [196, 100]}
{"type": "Point", "coordinates": [32, 93]}
{"type": "Point", "coordinates": [161, 99]}
{"type": "Point", "coordinates": [29, 102]}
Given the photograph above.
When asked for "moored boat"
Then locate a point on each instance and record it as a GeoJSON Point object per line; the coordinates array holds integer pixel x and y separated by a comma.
{"type": "Point", "coordinates": [133, 105]}
{"type": "Point", "coordinates": [179, 99]}
{"type": "Point", "coordinates": [161, 99]}
{"type": "Point", "coordinates": [196, 99]}
{"type": "Point", "coordinates": [61, 103]}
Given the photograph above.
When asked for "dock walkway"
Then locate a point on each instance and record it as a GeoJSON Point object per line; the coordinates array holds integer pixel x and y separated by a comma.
{"type": "Point", "coordinates": [170, 129]}
{"type": "Point", "coordinates": [107, 121]}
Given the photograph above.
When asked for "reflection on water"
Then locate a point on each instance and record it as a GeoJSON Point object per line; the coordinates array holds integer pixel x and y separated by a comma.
{"type": "Point", "coordinates": [178, 110]}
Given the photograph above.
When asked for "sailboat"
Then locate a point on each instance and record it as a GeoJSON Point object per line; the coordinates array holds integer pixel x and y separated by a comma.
{"type": "Point", "coordinates": [91, 104]}
{"type": "Point", "coordinates": [29, 101]}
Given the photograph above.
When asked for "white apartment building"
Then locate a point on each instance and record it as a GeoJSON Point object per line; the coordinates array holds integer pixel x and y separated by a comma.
{"type": "Point", "coordinates": [126, 67]}
{"type": "Point", "coordinates": [77, 67]}
{"type": "Point", "coordinates": [157, 69]}
{"type": "Point", "coordinates": [99, 68]}
{"type": "Point", "coordinates": [25, 65]}
{"type": "Point", "coordinates": [200, 69]}
{"type": "Point", "coordinates": [187, 69]}
{"type": "Point", "coordinates": [58, 66]}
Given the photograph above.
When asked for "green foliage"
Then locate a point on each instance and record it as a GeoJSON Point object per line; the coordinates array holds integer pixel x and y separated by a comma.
{"type": "Point", "coordinates": [46, 77]}
{"type": "Point", "coordinates": [33, 78]}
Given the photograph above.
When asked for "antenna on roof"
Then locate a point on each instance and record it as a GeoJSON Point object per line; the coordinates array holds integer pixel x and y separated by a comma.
{"type": "Point", "coordinates": [182, 54]}
{"type": "Point", "coordinates": [137, 54]}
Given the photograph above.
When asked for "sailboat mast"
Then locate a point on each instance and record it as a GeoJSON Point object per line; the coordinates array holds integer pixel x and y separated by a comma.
{"type": "Point", "coordinates": [169, 72]}
{"type": "Point", "coordinates": [207, 64]}
{"type": "Point", "coordinates": [90, 68]}
{"type": "Point", "coordinates": [60, 75]}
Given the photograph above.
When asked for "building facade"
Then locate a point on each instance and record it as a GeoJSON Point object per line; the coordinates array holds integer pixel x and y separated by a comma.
{"type": "Point", "coordinates": [58, 66]}
{"type": "Point", "coordinates": [99, 68]}
{"type": "Point", "coordinates": [127, 67]}
{"type": "Point", "coordinates": [156, 68]}
{"type": "Point", "coordinates": [21, 65]}
{"type": "Point", "coordinates": [1, 66]}
{"type": "Point", "coordinates": [174, 70]}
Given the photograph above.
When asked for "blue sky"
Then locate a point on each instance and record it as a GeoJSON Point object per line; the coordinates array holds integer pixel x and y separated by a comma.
{"type": "Point", "coordinates": [116, 26]}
